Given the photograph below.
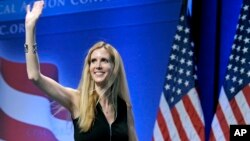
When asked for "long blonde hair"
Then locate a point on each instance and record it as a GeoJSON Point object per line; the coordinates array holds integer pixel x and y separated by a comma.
{"type": "Point", "coordinates": [117, 84]}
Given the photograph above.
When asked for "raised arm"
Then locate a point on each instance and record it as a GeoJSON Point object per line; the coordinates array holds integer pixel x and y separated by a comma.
{"type": "Point", "coordinates": [65, 96]}
{"type": "Point", "coordinates": [31, 18]}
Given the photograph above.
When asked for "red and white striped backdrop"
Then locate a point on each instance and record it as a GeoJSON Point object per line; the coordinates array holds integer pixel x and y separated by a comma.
{"type": "Point", "coordinates": [26, 113]}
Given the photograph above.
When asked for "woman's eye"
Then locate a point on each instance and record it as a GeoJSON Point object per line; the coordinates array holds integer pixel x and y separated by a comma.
{"type": "Point", "coordinates": [92, 61]}
{"type": "Point", "coordinates": [105, 60]}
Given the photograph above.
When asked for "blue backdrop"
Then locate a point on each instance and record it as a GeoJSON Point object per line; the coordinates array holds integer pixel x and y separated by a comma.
{"type": "Point", "coordinates": [141, 30]}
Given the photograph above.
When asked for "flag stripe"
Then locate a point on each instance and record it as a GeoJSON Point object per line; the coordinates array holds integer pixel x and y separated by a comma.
{"type": "Point", "coordinates": [192, 110]}
{"type": "Point", "coordinates": [242, 99]}
{"type": "Point", "coordinates": [222, 121]}
{"type": "Point", "coordinates": [178, 123]}
{"type": "Point", "coordinates": [217, 133]}
{"type": "Point", "coordinates": [212, 137]}
{"type": "Point", "coordinates": [168, 119]}
{"type": "Point", "coordinates": [162, 126]}
{"type": "Point", "coordinates": [11, 76]}
{"type": "Point", "coordinates": [194, 97]}
{"type": "Point", "coordinates": [10, 127]}
{"type": "Point", "coordinates": [236, 110]}
{"type": "Point", "coordinates": [191, 134]}
{"type": "Point", "coordinates": [157, 133]}
{"type": "Point", "coordinates": [225, 110]}
{"type": "Point", "coordinates": [241, 105]}
{"type": "Point", "coordinates": [246, 92]}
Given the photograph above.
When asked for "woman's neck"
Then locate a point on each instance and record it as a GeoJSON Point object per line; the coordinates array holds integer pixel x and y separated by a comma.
{"type": "Point", "coordinates": [104, 97]}
{"type": "Point", "coordinates": [104, 94]}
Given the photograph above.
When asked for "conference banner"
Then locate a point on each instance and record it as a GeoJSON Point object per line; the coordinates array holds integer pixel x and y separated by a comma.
{"type": "Point", "coordinates": [15, 9]}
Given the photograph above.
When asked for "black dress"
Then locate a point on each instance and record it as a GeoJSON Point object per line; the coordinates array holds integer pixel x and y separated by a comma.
{"type": "Point", "coordinates": [101, 130]}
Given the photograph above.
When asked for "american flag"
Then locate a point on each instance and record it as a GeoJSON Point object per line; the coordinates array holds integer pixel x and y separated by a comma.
{"type": "Point", "coordinates": [26, 113]}
{"type": "Point", "coordinates": [234, 100]}
{"type": "Point", "coordinates": [180, 116]}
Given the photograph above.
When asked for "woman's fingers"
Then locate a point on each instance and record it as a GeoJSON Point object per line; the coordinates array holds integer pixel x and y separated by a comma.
{"type": "Point", "coordinates": [39, 4]}
{"type": "Point", "coordinates": [37, 7]}
{"type": "Point", "coordinates": [36, 4]}
{"type": "Point", "coordinates": [28, 9]}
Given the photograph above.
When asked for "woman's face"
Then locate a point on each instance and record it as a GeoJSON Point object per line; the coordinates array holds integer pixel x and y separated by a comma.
{"type": "Point", "coordinates": [100, 66]}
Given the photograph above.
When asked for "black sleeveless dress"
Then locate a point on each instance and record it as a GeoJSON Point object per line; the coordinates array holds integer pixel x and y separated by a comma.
{"type": "Point", "coordinates": [101, 130]}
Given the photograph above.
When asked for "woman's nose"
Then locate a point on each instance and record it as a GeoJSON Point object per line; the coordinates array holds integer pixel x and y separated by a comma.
{"type": "Point", "coordinates": [99, 65]}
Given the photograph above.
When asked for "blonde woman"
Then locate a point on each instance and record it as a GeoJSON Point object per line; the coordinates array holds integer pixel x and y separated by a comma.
{"type": "Point", "coordinates": [100, 108]}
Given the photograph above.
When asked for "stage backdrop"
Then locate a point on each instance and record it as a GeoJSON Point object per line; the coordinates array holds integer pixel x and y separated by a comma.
{"type": "Point", "coordinates": [142, 31]}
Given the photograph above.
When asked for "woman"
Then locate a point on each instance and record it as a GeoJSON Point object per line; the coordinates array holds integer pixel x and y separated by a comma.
{"type": "Point", "coordinates": [100, 108]}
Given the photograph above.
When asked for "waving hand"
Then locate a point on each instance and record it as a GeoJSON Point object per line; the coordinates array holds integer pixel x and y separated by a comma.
{"type": "Point", "coordinates": [33, 14]}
